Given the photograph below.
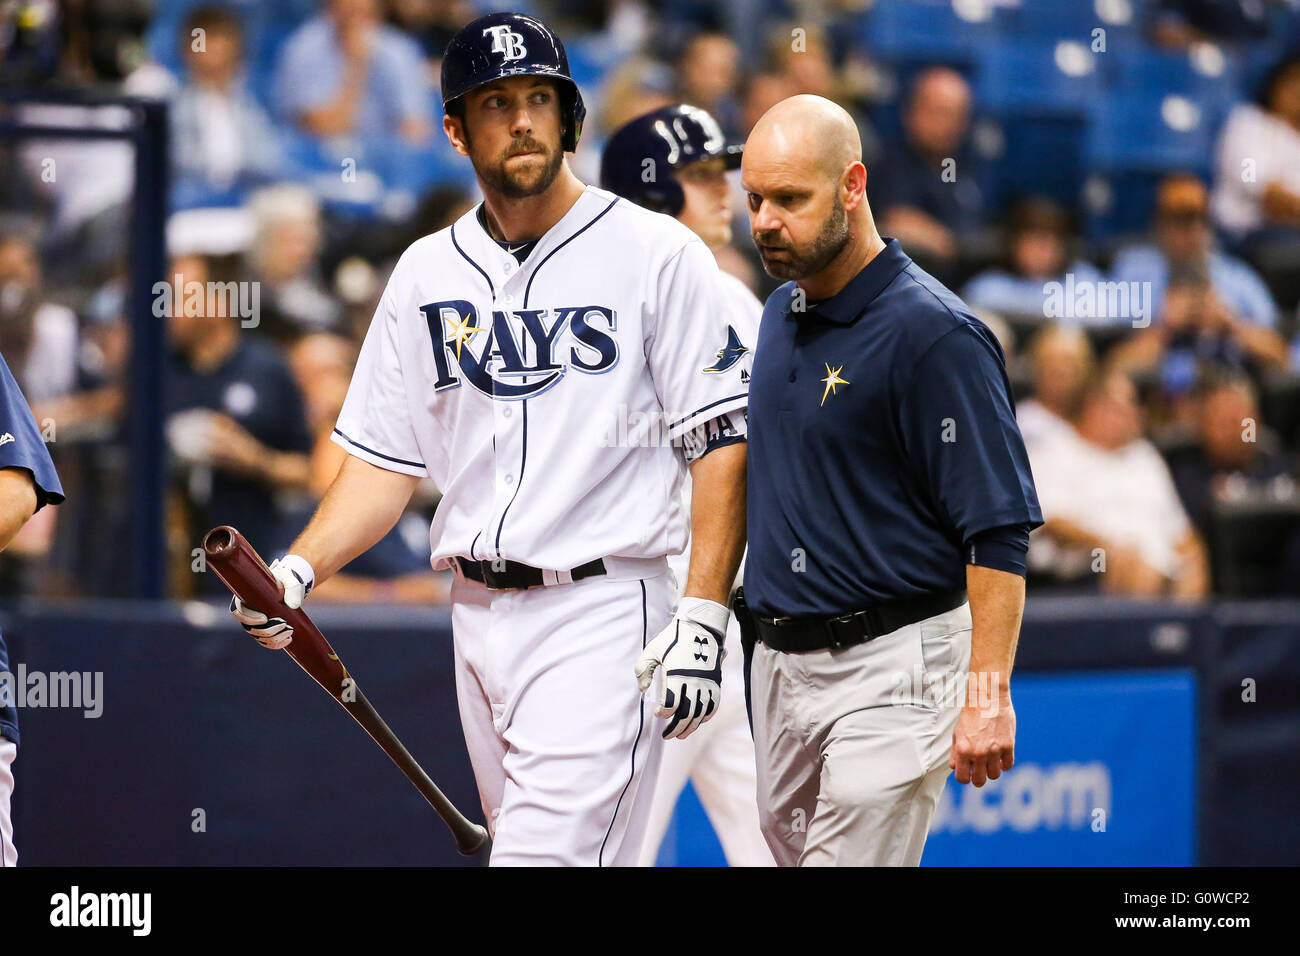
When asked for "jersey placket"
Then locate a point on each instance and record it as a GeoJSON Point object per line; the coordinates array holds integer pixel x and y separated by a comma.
{"type": "Point", "coordinates": [509, 417]}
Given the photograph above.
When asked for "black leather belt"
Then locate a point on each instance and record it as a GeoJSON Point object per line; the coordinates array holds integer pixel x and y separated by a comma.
{"type": "Point", "coordinates": [820, 633]}
{"type": "Point", "coordinates": [511, 575]}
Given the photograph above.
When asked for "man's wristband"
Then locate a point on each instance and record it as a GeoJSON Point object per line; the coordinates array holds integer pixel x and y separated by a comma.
{"type": "Point", "coordinates": [710, 614]}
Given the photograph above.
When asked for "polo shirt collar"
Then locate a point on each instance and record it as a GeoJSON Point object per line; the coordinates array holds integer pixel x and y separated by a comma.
{"type": "Point", "coordinates": [850, 302]}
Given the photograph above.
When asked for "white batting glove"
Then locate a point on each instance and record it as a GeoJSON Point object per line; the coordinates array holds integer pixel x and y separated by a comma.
{"type": "Point", "coordinates": [274, 632]}
{"type": "Point", "coordinates": [690, 652]}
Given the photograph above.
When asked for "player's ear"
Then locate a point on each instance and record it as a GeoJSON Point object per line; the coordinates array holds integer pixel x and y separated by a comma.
{"type": "Point", "coordinates": [456, 134]}
{"type": "Point", "coordinates": [853, 185]}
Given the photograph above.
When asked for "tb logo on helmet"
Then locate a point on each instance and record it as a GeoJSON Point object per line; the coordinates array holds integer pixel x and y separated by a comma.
{"type": "Point", "coordinates": [507, 42]}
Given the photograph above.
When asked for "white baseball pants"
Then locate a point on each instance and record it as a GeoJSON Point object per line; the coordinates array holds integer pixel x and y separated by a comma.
{"type": "Point", "coordinates": [853, 744]}
{"type": "Point", "coordinates": [8, 852]}
{"type": "Point", "coordinates": [563, 747]}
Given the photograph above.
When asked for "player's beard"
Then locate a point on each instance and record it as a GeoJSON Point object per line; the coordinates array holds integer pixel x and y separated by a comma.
{"type": "Point", "coordinates": [830, 242]}
{"type": "Point", "coordinates": [519, 185]}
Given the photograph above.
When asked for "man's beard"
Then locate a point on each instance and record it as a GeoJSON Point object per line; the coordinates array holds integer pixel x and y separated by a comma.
{"type": "Point", "coordinates": [830, 242]}
{"type": "Point", "coordinates": [520, 185]}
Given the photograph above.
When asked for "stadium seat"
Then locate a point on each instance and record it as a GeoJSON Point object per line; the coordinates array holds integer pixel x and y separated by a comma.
{"type": "Point", "coordinates": [1054, 77]}
{"type": "Point", "coordinates": [1043, 155]}
{"type": "Point", "coordinates": [1077, 19]}
{"type": "Point", "coordinates": [1209, 76]}
{"type": "Point", "coordinates": [1279, 401]}
{"type": "Point", "coordinates": [1276, 257]}
{"type": "Point", "coordinates": [1055, 19]}
{"type": "Point", "coordinates": [931, 31]}
{"type": "Point", "coordinates": [1251, 545]}
{"type": "Point", "coordinates": [1150, 132]}
{"type": "Point", "coordinates": [1040, 94]}
{"type": "Point", "coordinates": [1119, 203]}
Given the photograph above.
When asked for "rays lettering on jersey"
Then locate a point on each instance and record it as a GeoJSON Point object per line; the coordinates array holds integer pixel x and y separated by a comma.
{"type": "Point", "coordinates": [490, 357]}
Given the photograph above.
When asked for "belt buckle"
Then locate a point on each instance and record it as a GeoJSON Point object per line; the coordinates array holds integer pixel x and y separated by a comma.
{"type": "Point", "coordinates": [489, 576]}
{"type": "Point", "coordinates": [833, 632]}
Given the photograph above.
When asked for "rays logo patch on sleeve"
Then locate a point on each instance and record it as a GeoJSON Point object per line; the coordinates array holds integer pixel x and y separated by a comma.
{"type": "Point", "coordinates": [729, 354]}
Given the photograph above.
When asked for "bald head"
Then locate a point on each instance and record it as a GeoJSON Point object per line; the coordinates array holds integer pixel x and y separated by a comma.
{"type": "Point", "coordinates": [784, 133]}
{"type": "Point", "coordinates": [806, 190]}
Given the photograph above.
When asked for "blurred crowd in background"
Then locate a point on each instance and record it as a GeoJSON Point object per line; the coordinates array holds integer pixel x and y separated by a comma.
{"type": "Point", "coordinates": [1112, 185]}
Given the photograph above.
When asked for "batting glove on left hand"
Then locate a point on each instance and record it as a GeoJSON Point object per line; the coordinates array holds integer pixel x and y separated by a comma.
{"type": "Point", "coordinates": [275, 633]}
{"type": "Point", "coordinates": [690, 651]}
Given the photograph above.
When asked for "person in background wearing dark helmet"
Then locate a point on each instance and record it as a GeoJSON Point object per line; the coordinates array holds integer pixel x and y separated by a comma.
{"type": "Point", "coordinates": [675, 161]}
{"type": "Point", "coordinates": [514, 359]}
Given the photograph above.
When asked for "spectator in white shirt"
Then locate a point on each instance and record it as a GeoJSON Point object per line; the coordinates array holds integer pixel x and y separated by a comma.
{"type": "Point", "coordinates": [1109, 504]}
{"type": "Point", "coordinates": [1258, 164]}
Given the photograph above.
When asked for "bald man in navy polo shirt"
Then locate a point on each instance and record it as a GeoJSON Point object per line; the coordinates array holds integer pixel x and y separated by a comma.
{"type": "Point", "coordinates": [889, 508]}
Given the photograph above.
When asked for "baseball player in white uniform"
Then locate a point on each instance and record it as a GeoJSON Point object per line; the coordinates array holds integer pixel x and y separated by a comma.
{"type": "Point", "coordinates": [546, 361]}
{"type": "Point", "coordinates": [687, 178]}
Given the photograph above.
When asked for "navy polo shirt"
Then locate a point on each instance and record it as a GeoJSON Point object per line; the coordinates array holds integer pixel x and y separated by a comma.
{"type": "Point", "coordinates": [22, 447]}
{"type": "Point", "coordinates": [882, 439]}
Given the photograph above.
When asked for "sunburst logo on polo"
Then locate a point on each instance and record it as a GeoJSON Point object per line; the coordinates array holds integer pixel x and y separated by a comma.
{"type": "Point", "coordinates": [522, 353]}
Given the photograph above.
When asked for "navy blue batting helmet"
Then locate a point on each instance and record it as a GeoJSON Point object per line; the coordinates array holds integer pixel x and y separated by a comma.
{"type": "Point", "coordinates": [511, 44]}
{"type": "Point", "coordinates": [639, 158]}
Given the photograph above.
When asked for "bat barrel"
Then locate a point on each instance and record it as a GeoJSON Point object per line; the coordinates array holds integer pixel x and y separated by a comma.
{"type": "Point", "coordinates": [220, 542]}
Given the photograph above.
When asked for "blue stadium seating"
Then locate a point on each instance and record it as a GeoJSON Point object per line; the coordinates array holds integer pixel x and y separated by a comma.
{"type": "Point", "coordinates": [928, 31]}
{"type": "Point", "coordinates": [1130, 202]}
{"type": "Point", "coordinates": [1055, 18]}
{"type": "Point", "coordinates": [1145, 131]}
{"type": "Point", "coordinates": [1076, 19]}
{"type": "Point", "coordinates": [1154, 72]}
{"type": "Point", "coordinates": [1032, 77]}
{"type": "Point", "coordinates": [1043, 156]}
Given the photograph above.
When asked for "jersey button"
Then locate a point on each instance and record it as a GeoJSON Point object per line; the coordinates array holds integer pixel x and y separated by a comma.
{"type": "Point", "coordinates": [510, 479]}
{"type": "Point", "coordinates": [505, 413]}
{"type": "Point", "coordinates": [508, 268]}
{"type": "Point", "coordinates": [509, 299]}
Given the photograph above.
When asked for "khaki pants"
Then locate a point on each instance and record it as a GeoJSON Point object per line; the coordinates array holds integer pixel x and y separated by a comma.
{"type": "Point", "coordinates": [852, 745]}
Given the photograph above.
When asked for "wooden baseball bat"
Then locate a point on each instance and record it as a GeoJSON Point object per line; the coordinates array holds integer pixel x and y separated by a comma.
{"type": "Point", "coordinates": [248, 577]}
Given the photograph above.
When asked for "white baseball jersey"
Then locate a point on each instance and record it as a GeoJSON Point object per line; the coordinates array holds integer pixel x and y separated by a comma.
{"type": "Point", "coordinates": [742, 311]}
{"type": "Point", "coordinates": [543, 398]}
{"type": "Point", "coordinates": [719, 757]}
